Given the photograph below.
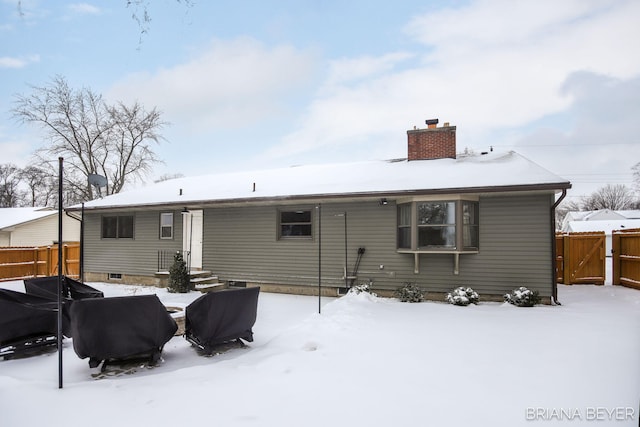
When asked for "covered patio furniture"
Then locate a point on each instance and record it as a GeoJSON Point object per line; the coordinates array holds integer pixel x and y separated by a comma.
{"type": "Point", "coordinates": [47, 287]}
{"type": "Point", "coordinates": [219, 317]}
{"type": "Point", "coordinates": [120, 329]}
{"type": "Point", "coordinates": [27, 322]}
{"type": "Point", "coordinates": [72, 290]}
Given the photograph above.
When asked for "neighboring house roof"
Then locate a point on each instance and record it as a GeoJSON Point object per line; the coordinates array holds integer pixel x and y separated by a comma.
{"type": "Point", "coordinates": [598, 215]}
{"type": "Point", "coordinates": [601, 215]}
{"type": "Point", "coordinates": [608, 226]}
{"type": "Point", "coordinates": [630, 214]}
{"type": "Point", "coordinates": [480, 173]}
{"type": "Point", "coordinates": [12, 217]}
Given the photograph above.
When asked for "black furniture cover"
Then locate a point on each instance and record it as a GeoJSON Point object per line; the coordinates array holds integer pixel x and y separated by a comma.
{"type": "Point", "coordinates": [26, 322]}
{"type": "Point", "coordinates": [47, 287]}
{"type": "Point", "coordinates": [222, 316]}
{"type": "Point", "coordinates": [120, 328]}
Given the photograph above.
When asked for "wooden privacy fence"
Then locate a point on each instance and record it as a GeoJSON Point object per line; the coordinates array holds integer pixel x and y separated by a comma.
{"type": "Point", "coordinates": [580, 258]}
{"type": "Point", "coordinates": [21, 263]}
{"type": "Point", "coordinates": [626, 258]}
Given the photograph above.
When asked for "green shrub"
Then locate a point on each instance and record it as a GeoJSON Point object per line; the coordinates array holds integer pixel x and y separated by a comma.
{"type": "Point", "coordinates": [409, 292]}
{"type": "Point", "coordinates": [523, 297]}
{"type": "Point", "coordinates": [179, 279]}
{"type": "Point", "coordinates": [462, 296]}
{"type": "Point", "coordinates": [362, 288]}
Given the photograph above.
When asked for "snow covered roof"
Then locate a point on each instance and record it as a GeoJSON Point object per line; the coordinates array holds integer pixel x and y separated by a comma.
{"type": "Point", "coordinates": [597, 215]}
{"type": "Point", "coordinates": [630, 214]}
{"type": "Point", "coordinates": [10, 217]}
{"type": "Point", "coordinates": [492, 172]}
{"type": "Point", "coordinates": [604, 225]}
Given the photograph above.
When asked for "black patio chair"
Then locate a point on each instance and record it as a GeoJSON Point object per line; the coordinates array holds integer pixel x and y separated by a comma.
{"type": "Point", "coordinates": [120, 329]}
{"type": "Point", "coordinates": [220, 317]}
{"type": "Point", "coordinates": [27, 323]}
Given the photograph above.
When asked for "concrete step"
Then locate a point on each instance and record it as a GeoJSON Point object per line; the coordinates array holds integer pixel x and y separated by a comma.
{"type": "Point", "coordinates": [204, 280]}
{"type": "Point", "coordinates": [199, 273]}
{"type": "Point", "coordinates": [210, 287]}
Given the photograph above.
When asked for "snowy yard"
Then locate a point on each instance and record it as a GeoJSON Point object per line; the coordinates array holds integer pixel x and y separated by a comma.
{"type": "Point", "coordinates": [364, 361]}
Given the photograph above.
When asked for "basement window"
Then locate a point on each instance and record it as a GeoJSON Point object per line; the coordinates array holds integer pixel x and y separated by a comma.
{"type": "Point", "coordinates": [117, 227]}
{"type": "Point", "coordinates": [115, 276]}
{"type": "Point", "coordinates": [294, 224]}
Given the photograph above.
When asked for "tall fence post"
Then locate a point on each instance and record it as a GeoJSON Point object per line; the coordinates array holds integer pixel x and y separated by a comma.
{"type": "Point", "coordinates": [615, 258]}
{"type": "Point", "coordinates": [566, 257]}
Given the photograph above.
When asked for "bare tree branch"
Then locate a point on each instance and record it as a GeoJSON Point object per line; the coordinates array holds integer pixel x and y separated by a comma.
{"type": "Point", "coordinates": [93, 137]}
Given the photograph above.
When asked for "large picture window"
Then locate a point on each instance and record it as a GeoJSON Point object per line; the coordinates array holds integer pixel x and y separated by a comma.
{"type": "Point", "coordinates": [438, 225]}
{"type": "Point", "coordinates": [117, 227]}
{"type": "Point", "coordinates": [294, 224]}
{"type": "Point", "coordinates": [166, 225]}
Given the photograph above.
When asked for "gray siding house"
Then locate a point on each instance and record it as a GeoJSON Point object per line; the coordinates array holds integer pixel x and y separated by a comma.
{"type": "Point", "coordinates": [434, 219]}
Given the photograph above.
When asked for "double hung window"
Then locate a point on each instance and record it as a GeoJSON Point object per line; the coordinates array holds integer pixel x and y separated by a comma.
{"type": "Point", "coordinates": [166, 225]}
{"type": "Point", "coordinates": [294, 224]}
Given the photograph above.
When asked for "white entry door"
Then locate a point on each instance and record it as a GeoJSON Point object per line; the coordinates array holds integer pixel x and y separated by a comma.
{"type": "Point", "coordinates": [192, 237]}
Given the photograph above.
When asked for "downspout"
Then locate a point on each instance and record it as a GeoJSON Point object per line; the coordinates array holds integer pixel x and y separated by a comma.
{"type": "Point", "coordinates": [554, 281]}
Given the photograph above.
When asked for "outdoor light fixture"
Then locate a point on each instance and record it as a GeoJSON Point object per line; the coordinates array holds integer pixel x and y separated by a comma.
{"type": "Point", "coordinates": [383, 202]}
{"type": "Point", "coordinates": [185, 211]}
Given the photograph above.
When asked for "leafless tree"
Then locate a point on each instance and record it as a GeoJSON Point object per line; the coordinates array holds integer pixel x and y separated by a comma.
{"type": "Point", "coordinates": [41, 186]}
{"type": "Point", "coordinates": [93, 137]}
{"type": "Point", "coordinates": [614, 197]}
{"type": "Point", "coordinates": [636, 176]}
{"type": "Point", "coordinates": [10, 195]}
{"type": "Point", "coordinates": [140, 14]}
{"type": "Point", "coordinates": [132, 130]}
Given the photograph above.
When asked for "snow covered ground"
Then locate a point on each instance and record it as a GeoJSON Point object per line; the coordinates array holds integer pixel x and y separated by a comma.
{"type": "Point", "coordinates": [364, 361]}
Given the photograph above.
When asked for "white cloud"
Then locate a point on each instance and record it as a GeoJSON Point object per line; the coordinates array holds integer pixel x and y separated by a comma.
{"type": "Point", "coordinates": [226, 85]}
{"type": "Point", "coordinates": [21, 62]}
{"type": "Point", "coordinates": [492, 64]}
{"type": "Point", "coordinates": [351, 69]}
{"type": "Point", "coordinates": [85, 9]}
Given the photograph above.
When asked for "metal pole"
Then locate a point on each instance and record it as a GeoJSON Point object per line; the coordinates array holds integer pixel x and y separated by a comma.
{"type": "Point", "coordinates": [82, 244]}
{"type": "Point", "coordinates": [346, 263]}
{"type": "Point", "coordinates": [60, 161]}
{"type": "Point", "coordinates": [319, 207]}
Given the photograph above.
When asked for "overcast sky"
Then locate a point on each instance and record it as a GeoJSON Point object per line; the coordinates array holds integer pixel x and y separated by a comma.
{"type": "Point", "coordinates": [259, 84]}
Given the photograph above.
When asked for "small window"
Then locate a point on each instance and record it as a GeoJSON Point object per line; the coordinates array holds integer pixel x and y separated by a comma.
{"type": "Point", "coordinates": [404, 226]}
{"type": "Point", "coordinates": [470, 232]}
{"type": "Point", "coordinates": [166, 225]}
{"type": "Point", "coordinates": [117, 227]}
{"type": "Point", "coordinates": [295, 224]}
{"type": "Point", "coordinates": [115, 276]}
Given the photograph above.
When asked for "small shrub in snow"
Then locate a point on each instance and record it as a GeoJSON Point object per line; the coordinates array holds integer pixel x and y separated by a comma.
{"type": "Point", "coordinates": [409, 292]}
{"type": "Point", "coordinates": [362, 288]}
{"type": "Point", "coordinates": [462, 296]}
{"type": "Point", "coordinates": [523, 297]}
{"type": "Point", "coordinates": [178, 275]}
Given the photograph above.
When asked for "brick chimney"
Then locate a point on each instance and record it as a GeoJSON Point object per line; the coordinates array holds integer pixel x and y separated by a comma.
{"type": "Point", "coordinates": [433, 142]}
